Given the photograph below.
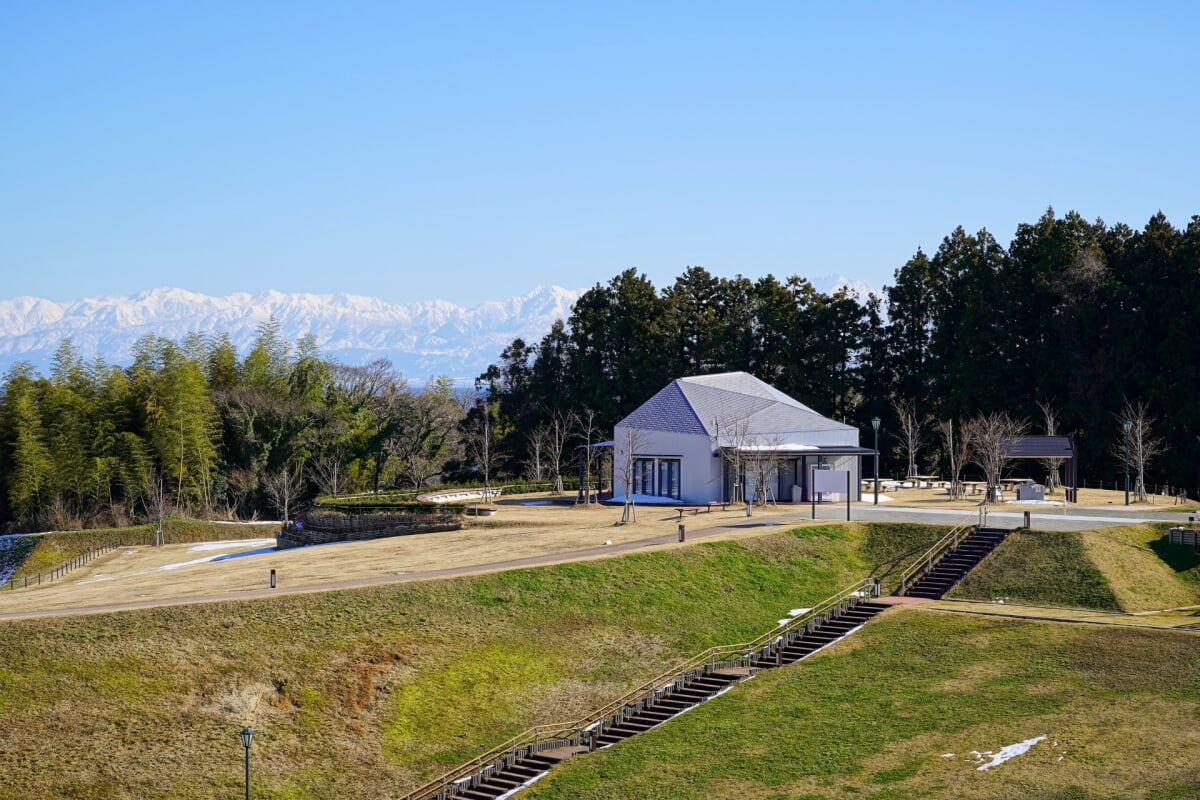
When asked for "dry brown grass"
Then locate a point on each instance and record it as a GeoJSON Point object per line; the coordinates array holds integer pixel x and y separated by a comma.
{"type": "Point", "coordinates": [135, 574]}
{"type": "Point", "coordinates": [1137, 575]}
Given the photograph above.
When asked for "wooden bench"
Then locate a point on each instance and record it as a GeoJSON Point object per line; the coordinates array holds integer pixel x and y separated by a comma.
{"type": "Point", "coordinates": [707, 507]}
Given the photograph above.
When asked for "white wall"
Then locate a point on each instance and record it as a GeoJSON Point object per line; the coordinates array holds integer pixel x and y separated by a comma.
{"type": "Point", "coordinates": [699, 471]}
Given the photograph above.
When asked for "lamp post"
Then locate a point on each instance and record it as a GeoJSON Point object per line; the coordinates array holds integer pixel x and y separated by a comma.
{"type": "Point", "coordinates": [247, 735]}
{"type": "Point", "coordinates": [875, 427]}
{"type": "Point", "coordinates": [1127, 425]}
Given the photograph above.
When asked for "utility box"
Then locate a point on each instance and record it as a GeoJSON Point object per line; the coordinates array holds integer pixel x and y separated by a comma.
{"type": "Point", "coordinates": [1031, 491]}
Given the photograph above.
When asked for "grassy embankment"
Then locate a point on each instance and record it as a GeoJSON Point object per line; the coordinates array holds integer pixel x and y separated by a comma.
{"type": "Point", "coordinates": [44, 552]}
{"type": "Point", "coordinates": [1115, 569]}
{"type": "Point", "coordinates": [900, 711]}
{"type": "Point", "coordinates": [365, 693]}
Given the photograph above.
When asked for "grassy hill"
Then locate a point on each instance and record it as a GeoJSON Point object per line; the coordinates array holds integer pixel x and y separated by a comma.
{"type": "Point", "coordinates": [902, 711]}
{"type": "Point", "coordinates": [366, 693]}
{"type": "Point", "coordinates": [1118, 569]}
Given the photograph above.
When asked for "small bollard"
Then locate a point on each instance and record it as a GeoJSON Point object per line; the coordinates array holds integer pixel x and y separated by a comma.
{"type": "Point", "coordinates": [272, 579]}
{"type": "Point", "coordinates": [681, 532]}
{"type": "Point", "coordinates": [1027, 515]}
{"type": "Point", "coordinates": [749, 508]}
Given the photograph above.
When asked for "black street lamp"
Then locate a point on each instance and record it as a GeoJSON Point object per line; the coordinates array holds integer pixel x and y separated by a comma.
{"type": "Point", "coordinates": [1127, 425]}
{"type": "Point", "coordinates": [247, 735]}
{"type": "Point", "coordinates": [875, 426]}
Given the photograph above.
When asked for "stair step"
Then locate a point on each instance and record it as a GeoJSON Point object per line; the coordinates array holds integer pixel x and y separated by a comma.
{"type": "Point", "coordinates": [480, 793]}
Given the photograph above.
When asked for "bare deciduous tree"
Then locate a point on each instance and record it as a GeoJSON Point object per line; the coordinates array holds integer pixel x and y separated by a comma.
{"type": "Point", "coordinates": [1139, 446]}
{"type": "Point", "coordinates": [158, 505]}
{"type": "Point", "coordinates": [958, 450]}
{"type": "Point", "coordinates": [282, 487]}
{"type": "Point", "coordinates": [327, 471]}
{"type": "Point", "coordinates": [482, 444]}
{"type": "Point", "coordinates": [992, 437]}
{"type": "Point", "coordinates": [762, 463]}
{"type": "Point", "coordinates": [561, 425]}
{"type": "Point", "coordinates": [538, 462]}
{"type": "Point", "coordinates": [731, 436]}
{"type": "Point", "coordinates": [629, 445]}
{"type": "Point", "coordinates": [1051, 465]}
{"type": "Point", "coordinates": [910, 432]}
{"type": "Point", "coordinates": [589, 432]}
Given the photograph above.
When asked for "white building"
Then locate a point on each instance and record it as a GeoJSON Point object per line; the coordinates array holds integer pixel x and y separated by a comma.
{"type": "Point", "coordinates": [729, 437]}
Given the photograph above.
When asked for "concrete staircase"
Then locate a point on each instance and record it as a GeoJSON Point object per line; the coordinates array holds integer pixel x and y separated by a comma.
{"type": "Point", "coordinates": [500, 779]}
{"type": "Point", "coordinates": [956, 562]}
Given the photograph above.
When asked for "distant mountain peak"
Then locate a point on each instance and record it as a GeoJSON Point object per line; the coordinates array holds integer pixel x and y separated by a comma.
{"type": "Point", "coordinates": [422, 339]}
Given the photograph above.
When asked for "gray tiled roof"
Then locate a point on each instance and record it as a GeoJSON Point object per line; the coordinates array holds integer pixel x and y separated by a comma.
{"type": "Point", "coordinates": [669, 410]}
{"type": "Point", "coordinates": [703, 404]}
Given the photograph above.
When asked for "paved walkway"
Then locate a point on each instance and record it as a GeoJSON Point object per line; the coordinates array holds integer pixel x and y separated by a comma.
{"type": "Point", "coordinates": [1054, 518]}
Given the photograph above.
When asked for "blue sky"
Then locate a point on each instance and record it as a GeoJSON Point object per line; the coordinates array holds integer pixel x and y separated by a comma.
{"type": "Point", "coordinates": [468, 151]}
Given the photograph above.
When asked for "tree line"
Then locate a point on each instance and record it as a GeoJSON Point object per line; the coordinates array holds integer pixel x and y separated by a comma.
{"type": "Point", "coordinates": [190, 426]}
{"type": "Point", "coordinates": [1074, 324]}
{"type": "Point", "coordinates": [1072, 328]}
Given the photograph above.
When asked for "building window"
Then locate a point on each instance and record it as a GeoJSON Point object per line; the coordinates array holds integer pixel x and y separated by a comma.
{"type": "Point", "coordinates": [668, 477]}
{"type": "Point", "coordinates": [643, 476]}
{"type": "Point", "coordinates": [656, 477]}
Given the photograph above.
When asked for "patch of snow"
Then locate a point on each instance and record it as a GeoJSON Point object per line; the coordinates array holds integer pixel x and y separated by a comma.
{"type": "Point", "coordinates": [947, 755]}
{"type": "Point", "coordinates": [784, 621]}
{"type": "Point", "coordinates": [651, 500]}
{"type": "Point", "coordinates": [1009, 751]}
{"type": "Point", "coordinates": [795, 612]}
{"type": "Point", "coordinates": [200, 548]}
{"type": "Point", "coordinates": [231, 543]}
{"type": "Point", "coordinates": [220, 557]}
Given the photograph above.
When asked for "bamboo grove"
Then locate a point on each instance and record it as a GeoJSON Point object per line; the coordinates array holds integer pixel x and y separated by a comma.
{"type": "Point", "coordinates": [193, 425]}
{"type": "Point", "coordinates": [1081, 317]}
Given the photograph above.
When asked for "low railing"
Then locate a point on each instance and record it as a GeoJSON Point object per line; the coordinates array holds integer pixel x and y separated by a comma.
{"type": "Point", "coordinates": [931, 557]}
{"type": "Point", "coordinates": [25, 581]}
{"type": "Point", "coordinates": [582, 732]}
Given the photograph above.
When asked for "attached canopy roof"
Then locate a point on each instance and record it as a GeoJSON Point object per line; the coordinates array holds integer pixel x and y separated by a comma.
{"type": "Point", "coordinates": [797, 450]}
{"type": "Point", "coordinates": [730, 406]}
{"type": "Point", "coordinates": [1041, 447]}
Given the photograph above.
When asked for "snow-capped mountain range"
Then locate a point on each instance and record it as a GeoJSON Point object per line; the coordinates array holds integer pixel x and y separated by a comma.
{"type": "Point", "coordinates": [421, 339]}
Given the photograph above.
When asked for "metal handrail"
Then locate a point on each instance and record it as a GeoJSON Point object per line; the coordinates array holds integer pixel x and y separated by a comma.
{"type": "Point", "coordinates": [927, 560]}
{"type": "Point", "coordinates": [743, 654]}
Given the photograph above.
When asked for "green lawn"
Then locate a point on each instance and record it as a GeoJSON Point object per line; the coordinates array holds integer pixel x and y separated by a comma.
{"type": "Point", "coordinates": [366, 693]}
{"type": "Point", "coordinates": [1048, 568]}
{"type": "Point", "coordinates": [897, 711]}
